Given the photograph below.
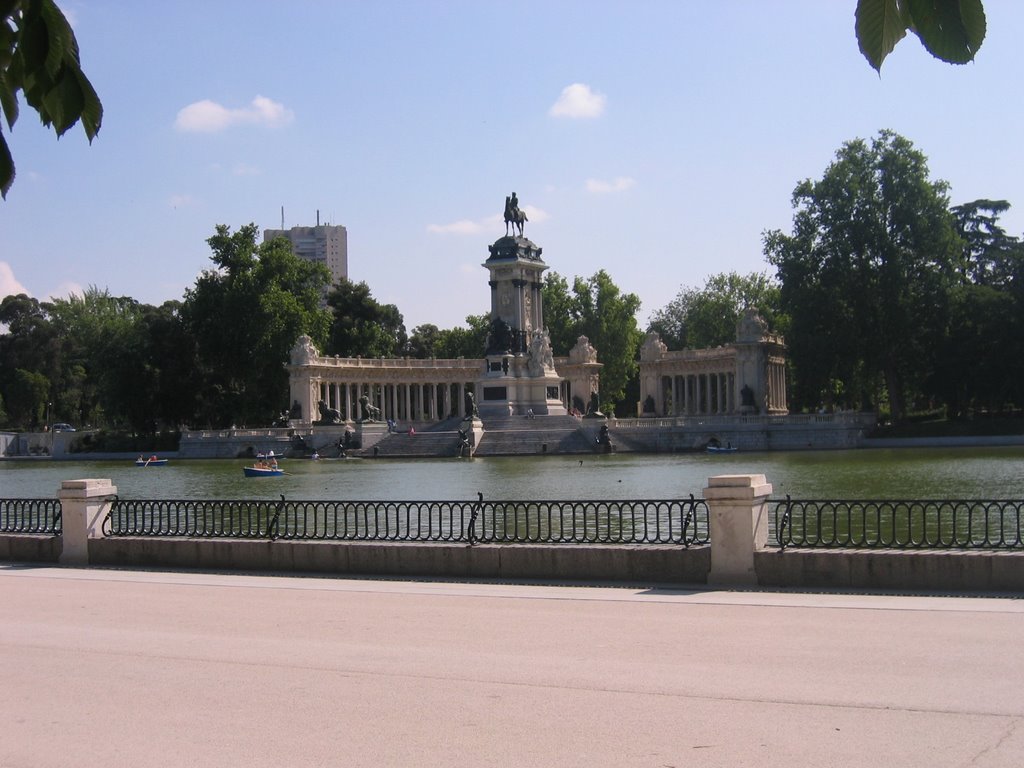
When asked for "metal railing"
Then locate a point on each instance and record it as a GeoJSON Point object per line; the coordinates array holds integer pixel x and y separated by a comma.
{"type": "Point", "coordinates": [30, 516]}
{"type": "Point", "coordinates": [918, 524]}
{"type": "Point", "coordinates": [673, 521]}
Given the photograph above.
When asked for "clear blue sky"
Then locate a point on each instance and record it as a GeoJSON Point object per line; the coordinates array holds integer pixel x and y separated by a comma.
{"type": "Point", "coordinates": [655, 140]}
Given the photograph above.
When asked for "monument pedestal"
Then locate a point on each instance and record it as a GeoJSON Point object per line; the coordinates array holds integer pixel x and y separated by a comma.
{"type": "Point", "coordinates": [519, 378]}
{"type": "Point", "coordinates": [510, 388]}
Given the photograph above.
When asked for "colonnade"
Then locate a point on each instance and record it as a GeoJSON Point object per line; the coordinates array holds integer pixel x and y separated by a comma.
{"type": "Point", "coordinates": [399, 401]}
{"type": "Point", "coordinates": [776, 374]}
{"type": "Point", "coordinates": [696, 394]}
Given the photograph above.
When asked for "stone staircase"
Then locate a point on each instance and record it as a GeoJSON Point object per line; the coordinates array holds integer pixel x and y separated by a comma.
{"type": "Point", "coordinates": [522, 436]}
{"type": "Point", "coordinates": [430, 440]}
{"type": "Point", "coordinates": [503, 436]}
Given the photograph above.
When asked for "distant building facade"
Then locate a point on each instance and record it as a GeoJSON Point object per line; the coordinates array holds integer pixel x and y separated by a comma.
{"type": "Point", "coordinates": [322, 244]}
{"type": "Point", "coordinates": [746, 377]}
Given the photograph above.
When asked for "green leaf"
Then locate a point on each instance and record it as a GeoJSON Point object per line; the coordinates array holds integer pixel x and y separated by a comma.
{"type": "Point", "coordinates": [8, 101]}
{"type": "Point", "coordinates": [92, 109]}
{"type": "Point", "coordinates": [951, 30]}
{"type": "Point", "coordinates": [34, 43]}
{"type": "Point", "coordinates": [880, 24]}
{"type": "Point", "coordinates": [65, 101]}
{"type": "Point", "coordinates": [6, 167]}
{"type": "Point", "coordinates": [57, 34]}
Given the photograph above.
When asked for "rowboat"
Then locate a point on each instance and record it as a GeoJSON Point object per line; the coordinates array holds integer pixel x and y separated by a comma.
{"type": "Point", "coordinates": [152, 461]}
{"type": "Point", "coordinates": [720, 449]}
{"type": "Point", "coordinates": [261, 469]}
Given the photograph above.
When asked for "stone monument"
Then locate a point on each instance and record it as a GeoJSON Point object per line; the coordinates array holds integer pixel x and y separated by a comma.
{"type": "Point", "coordinates": [519, 375]}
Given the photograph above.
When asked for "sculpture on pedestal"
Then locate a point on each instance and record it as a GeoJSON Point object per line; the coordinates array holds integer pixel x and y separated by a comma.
{"type": "Point", "coordinates": [541, 357]}
{"type": "Point", "coordinates": [328, 415]}
{"type": "Point", "coordinates": [513, 215]}
{"type": "Point", "coordinates": [471, 411]}
{"type": "Point", "coordinates": [303, 353]}
{"type": "Point", "coordinates": [370, 412]}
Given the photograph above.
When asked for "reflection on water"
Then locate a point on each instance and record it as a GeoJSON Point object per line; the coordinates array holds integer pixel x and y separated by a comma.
{"type": "Point", "coordinates": [876, 473]}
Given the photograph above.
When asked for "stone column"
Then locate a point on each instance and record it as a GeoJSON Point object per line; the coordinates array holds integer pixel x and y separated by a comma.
{"type": "Point", "coordinates": [737, 526]}
{"type": "Point", "coordinates": [84, 506]}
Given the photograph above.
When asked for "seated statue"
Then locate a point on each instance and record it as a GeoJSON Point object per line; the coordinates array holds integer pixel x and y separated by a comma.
{"type": "Point", "coordinates": [370, 412]}
{"type": "Point", "coordinates": [328, 415]}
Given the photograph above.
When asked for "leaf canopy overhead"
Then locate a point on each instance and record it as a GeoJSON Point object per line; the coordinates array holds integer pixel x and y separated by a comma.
{"type": "Point", "coordinates": [950, 30]}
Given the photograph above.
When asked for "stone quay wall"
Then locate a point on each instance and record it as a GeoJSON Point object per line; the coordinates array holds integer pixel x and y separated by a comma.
{"type": "Point", "coordinates": [640, 435]}
{"type": "Point", "coordinates": [748, 433]}
{"type": "Point", "coordinates": [737, 556]}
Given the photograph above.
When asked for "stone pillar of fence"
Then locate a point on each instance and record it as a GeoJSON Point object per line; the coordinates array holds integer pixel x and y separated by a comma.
{"type": "Point", "coordinates": [737, 526]}
{"type": "Point", "coordinates": [84, 506]}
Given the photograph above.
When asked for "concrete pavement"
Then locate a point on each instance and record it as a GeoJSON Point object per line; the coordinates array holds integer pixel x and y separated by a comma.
{"type": "Point", "coordinates": [137, 668]}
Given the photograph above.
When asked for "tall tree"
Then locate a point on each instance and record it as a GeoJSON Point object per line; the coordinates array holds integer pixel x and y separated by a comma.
{"type": "Point", "coordinates": [866, 272]}
{"type": "Point", "coordinates": [981, 363]}
{"type": "Point", "coordinates": [245, 316]}
{"type": "Point", "coordinates": [428, 340]}
{"type": "Point", "coordinates": [171, 364]}
{"type": "Point", "coordinates": [28, 394]}
{"type": "Point", "coordinates": [469, 341]}
{"type": "Point", "coordinates": [423, 341]}
{"type": "Point", "coordinates": [33, 344]}
{"type": "Point", "coordinates": [103, 339]}
{"type": "Point", "coordinates": [596, 308]}
{"type": "Point", "coordinates": [708, 317]}
{"type": "Point", "coordinates": [990, 255]}
{"type": "Point", "coordinates": [361, 326]}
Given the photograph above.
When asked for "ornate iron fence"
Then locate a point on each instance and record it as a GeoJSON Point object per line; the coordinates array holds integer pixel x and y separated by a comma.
{"type": "Point", "coordinates": [672, 521]}
{"type": "Point", "coordinates": [899, 524]}
{"type": "Point", "coordinates": [30, 516]}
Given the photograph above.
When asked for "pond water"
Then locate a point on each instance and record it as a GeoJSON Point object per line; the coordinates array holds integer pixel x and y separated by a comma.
{"type": "Point", "coordinates": [933, 473]}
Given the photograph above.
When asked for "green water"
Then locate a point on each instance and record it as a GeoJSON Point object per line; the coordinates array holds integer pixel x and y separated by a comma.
{"type": "Point", "coordinates": [962, 473]}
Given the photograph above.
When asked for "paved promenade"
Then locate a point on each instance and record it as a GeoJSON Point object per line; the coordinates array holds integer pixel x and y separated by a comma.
{"type": "Point", "coordinates": [104, 668]}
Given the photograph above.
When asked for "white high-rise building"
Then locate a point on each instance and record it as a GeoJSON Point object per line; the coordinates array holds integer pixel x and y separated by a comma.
{"type": "Point", "coordinates": [324, 244]}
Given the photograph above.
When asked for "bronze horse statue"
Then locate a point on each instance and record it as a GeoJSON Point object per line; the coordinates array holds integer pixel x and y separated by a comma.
{"type": "Point", "coordinates": [513, 216]}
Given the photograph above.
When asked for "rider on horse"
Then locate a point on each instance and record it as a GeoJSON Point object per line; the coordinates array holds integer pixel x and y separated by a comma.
{"type": "Point", "coordinates": [513, 215]}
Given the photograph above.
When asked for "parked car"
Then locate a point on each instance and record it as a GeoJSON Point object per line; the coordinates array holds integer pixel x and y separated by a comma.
{"type": "Point", "coordinates": [61, 426]}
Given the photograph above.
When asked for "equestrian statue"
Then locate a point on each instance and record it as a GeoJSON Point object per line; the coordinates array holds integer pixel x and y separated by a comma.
{"type": "Point", "coordinates": [513, 215]}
